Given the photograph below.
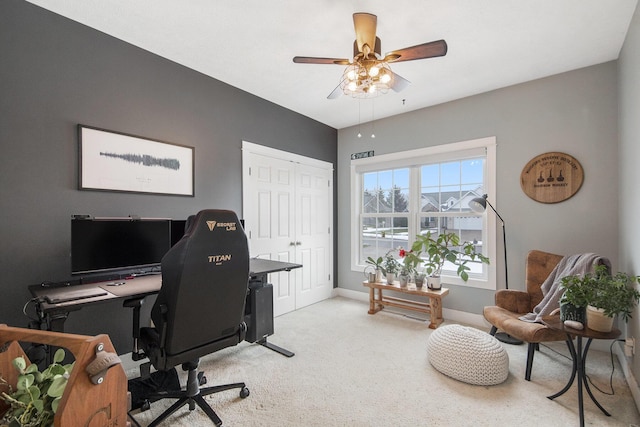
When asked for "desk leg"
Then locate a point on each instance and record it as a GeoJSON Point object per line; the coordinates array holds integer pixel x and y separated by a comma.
{"type": "Point", "coordinates": [263, 342]}
{"type": "Point", "coordinates": [435, 317]}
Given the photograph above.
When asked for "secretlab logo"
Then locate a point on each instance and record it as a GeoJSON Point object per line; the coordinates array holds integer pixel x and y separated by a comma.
{"type": "Point", "coordinates": [219, 259]}
{"type": "Point", "coordinates": [228, 226]}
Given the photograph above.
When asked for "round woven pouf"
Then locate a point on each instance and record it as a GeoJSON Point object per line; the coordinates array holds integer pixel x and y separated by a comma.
{"type": "Point", "coordinates": [468, 355]}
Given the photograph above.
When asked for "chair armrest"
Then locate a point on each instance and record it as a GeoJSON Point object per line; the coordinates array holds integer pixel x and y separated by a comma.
{"type": "Point", "coordinates": [513, 300]}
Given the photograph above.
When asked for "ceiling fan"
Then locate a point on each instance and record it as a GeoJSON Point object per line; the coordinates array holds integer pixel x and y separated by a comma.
{"type": "Point", "coordinates": [368, 73]}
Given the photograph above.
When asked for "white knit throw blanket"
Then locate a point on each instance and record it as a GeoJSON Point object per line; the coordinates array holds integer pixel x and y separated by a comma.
{"type": "Point", "coordinates": [579, 264]}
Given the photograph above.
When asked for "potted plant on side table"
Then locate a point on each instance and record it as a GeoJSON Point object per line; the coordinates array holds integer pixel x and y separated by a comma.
{"type": "Point", "coordinates": [443, 248]}
{"type": "Point", "coordinates": [578, 292]}
{"type": "Point", "coordinates": [612, 295]}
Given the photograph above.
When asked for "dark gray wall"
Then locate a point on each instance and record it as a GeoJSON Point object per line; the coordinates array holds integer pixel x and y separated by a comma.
{"type": "Point", "coordinates": [56, 73]}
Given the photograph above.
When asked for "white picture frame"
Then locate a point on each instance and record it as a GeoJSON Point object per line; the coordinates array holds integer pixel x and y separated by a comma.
{"type": "Point", "coordinates": [115, 161]}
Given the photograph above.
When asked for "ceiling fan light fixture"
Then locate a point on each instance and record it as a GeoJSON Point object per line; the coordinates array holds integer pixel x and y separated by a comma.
{"type": "Point", "coordinates": [366, 78]}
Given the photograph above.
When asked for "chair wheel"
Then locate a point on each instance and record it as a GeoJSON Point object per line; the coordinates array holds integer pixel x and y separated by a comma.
{"type": "Point", "coordinates": [244, 392]}
{"type": "Point", "coordinates": [145, 406]}
{"type": "Point", "coordinates": [202, 380]}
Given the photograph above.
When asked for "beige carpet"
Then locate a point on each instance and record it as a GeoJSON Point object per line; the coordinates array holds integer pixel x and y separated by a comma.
{"type": "Point", "coordinates": [354, 369]}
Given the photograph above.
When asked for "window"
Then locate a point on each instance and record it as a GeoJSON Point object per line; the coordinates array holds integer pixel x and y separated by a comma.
{"type": "Point", "coordinates": [397, 196]}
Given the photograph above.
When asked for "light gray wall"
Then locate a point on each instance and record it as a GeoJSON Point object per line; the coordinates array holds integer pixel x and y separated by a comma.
{"type": "Point", "coordinates": [574, 112]}
{"type": "Point", "coordinates": [56, 73]}
{"type": "Point", "coordinates": [629, 172]}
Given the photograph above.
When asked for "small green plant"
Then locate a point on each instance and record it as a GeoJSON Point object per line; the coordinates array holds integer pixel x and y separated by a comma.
{"type": "Point", "coordinates": [37, 395]}
{"type": "Point", "coordinates": [376, 263]}
{"type": "Point", "coordinates": [410, 261]}
{"type": "Point", "coordinates": [578, 290]}
{"type": "Point", "coordinates": [616, 295]}
{"type": "Point", "coordinates": [391, 264]}
{"type": "Point", "coordinates": [443, 248]}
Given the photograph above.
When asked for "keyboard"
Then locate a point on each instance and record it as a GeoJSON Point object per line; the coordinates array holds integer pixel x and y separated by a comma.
{"type": "Point", "coordinates": [74, 295]}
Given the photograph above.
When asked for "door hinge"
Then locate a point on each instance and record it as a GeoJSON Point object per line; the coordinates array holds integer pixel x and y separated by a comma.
{"type": "Point", "coordinates": [249, 234]}
{"type": "Point", "coordinates": [249, 171]}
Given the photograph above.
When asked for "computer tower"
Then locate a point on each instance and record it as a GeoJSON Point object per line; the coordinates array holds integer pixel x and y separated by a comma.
{"type": "Point", "coordinates": [259, 311]}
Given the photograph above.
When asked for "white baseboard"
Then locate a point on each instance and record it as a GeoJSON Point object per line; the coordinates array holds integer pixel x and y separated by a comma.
{"type": "Point", "coordinates": [628, 375]}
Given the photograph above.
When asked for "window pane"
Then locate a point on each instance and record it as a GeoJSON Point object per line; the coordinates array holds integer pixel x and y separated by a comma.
{"type": "Point", "coordinates": [380, 235]}
{"type": "Point", "coordinates": [472, 171]}
{"type": "Point", "coordinates": [430, 199]}
{"type": "Point", "coordinates": [370, 181]}
{"type": "Point", "coordinates": [400, 198]}
{"type": "Point", "coordinates": [401, 178]}
{"type": "Point", "coordinates": [430, 175]}
{"type": "Point", "coordinates": [450, 173]}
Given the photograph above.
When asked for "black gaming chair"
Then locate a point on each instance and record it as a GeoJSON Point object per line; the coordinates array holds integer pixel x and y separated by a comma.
{"type": "Point", "coordinates": [200, 307]}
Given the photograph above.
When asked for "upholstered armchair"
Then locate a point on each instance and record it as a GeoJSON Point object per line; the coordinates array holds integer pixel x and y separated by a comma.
{"type": "Point", "coordinates": [510, 304]}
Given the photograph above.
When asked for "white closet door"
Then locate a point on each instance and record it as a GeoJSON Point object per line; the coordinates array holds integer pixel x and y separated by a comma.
{"type": "Point", "coordinates": [313, 230]}
{"type": "Point", "coordinates": [288, 212]}
{"type": "Point", "coordinates": [269, 218]}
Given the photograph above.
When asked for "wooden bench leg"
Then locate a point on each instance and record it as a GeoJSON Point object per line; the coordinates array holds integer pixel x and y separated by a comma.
{"type": "Point", "coordinates": [372, 299]}
{"type": "Point", "coordinates": [435, 304]}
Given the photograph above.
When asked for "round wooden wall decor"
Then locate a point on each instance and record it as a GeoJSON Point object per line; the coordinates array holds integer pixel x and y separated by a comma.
{"type": "Point", "coordinates": [551, 177]}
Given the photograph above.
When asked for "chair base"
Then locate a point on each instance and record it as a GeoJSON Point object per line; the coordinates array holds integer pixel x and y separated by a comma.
{"type": "Point", "coordinates": [193, 395]}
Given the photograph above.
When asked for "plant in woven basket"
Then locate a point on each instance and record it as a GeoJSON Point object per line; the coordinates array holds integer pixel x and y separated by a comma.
{"type": "Point", "coordinates": [37, 395]}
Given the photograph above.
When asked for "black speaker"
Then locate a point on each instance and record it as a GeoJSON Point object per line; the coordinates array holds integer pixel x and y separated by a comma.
{"type": "Point", "coordinates": [259, 311]}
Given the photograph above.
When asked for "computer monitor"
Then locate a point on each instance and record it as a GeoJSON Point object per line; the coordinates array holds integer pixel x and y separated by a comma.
{"type": "Point", "coordinates": [99, 245]}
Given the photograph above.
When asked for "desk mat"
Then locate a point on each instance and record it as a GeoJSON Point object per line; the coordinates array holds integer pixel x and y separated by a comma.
{"type": "Point", "coordinates": [138, 285]}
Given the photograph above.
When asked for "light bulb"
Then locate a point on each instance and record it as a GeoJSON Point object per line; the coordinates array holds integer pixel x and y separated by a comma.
{"type": "Point", "coordinates": [373, 135]}
{"type": "Point", "coordinates": [373, 71]}
{"type": "Point", "coordinates": [386, 78]}
{"type": "Point", "coordinates": [359, 135]}
{"type": "Point", "coordinates": [372, 88]}
{"type": "Point", "coordinates": [351, 74]}
{"type": "Point", "coordinates": [352, 86]}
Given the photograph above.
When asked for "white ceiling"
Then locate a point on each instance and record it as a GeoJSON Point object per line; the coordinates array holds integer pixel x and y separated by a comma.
{"type": "Point", "coordinates": [250, 44]}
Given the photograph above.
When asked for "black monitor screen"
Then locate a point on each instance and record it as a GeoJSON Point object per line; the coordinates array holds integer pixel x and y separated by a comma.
{"type": "Point", "coordinates": [177, 230]}
{"type": "Point", "coordinates": [99, 245]}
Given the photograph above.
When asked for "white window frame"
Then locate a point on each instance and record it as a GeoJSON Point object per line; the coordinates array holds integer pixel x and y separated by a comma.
{"type": "Point", "coordinates": [438, 153]}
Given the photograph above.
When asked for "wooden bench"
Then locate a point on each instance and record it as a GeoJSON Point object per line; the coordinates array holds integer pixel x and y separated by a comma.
{"type": "Point", "coordinates": [377, 301]}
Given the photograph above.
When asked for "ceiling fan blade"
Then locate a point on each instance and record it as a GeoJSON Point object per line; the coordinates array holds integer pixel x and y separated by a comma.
{"type": "Point", "coordinates": [336, 92]}
{"type": "Point", "coordinates": [399, 83]}
{"type": "Point", "coordinates": [421, 51]}
{"type": "Point", "coordinates": [313, 60]}
{"type": "Point", "coordinates": [365, 26]}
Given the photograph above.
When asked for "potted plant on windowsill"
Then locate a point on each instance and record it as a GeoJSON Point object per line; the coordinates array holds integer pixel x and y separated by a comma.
{"type": "Point", "coordinates": [443, 248]}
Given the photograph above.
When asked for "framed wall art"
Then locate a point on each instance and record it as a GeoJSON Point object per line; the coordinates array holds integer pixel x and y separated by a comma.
{"type": "Point", "coordinates": [115, 161]}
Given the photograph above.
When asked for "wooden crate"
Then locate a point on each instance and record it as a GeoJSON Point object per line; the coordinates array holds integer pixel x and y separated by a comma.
{"type": "Point", "coordinates": [83, 402]}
